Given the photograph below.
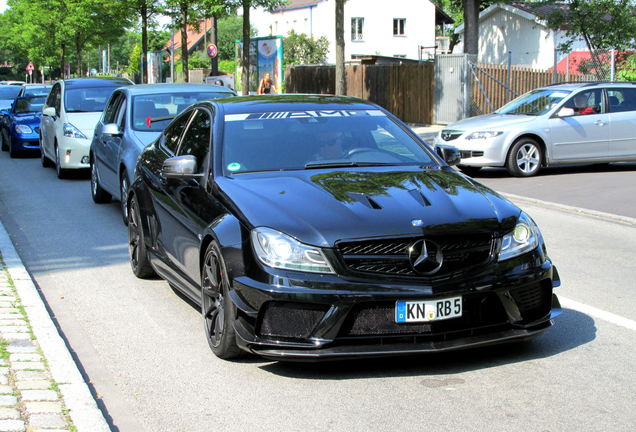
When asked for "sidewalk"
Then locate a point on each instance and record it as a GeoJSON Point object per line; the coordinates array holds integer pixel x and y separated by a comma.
{"type": "Point", "coordinates": [41, 388]}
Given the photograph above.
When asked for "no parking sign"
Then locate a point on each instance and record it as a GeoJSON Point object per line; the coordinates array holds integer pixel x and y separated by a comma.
{"type": "Point", "coordinates": [212, 50]}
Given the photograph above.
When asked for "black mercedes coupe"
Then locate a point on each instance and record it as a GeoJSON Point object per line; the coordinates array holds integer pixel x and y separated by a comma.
{"type": "Point", "coordinates": [321, 227]}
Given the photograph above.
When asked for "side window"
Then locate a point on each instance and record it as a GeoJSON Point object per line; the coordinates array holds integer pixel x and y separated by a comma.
{"type": "Point", "coordinates": [174, 130]}
{"type": "Point", "coordinates": [621, 100]}
{"type": "Point", "coordinates": [196, 141]}
{"type": "Point", "coordinates": [50, 100]}
{"type": "Point", "coordinates": [110, 113]}
{"type": "Point", "coordinates": [121, 114]}
{"type": "Point", "coordinates": [587, 102]}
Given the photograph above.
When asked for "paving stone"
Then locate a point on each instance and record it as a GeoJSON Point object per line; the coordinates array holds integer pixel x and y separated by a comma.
{"type": "Point", "coordinates": [43, 407]}
{"type": "Point", "coordinates": [4, 370]}
{"type": "Point", "coordinates": [9, 310]}
{"type": "Point", "coordinates": [16, 336]}
{"type": "Point", "coordinates": [47, 420]}
{"type": "Point", "coordinates": [3, 362]}
{"type": "Point", "coordinates": [25, 357]}
{"type": "Point", "coordinates": [50, 430]}
{"type": "Point", "coordinates": [22, 346]}
{"type": "Point", "coordinates": [9, 413]}
{"type": "Point", "coordinates": [14, 328]}
{"type": "Point", "coordinates": [12, 425]}
{"type": "Point", "coordinates": [6, 389]}
{"type": "Point", "coordinates": [31, 376]}
{"type": "Point", "coordinates": [6, 304]}
{"type": "Point", "coordinates": [33, 385]}
{"type": "Point", "coordinates": [39, 395]}
{"type": "Point", "coordinates": [17, 321]}
{"type": "Point", "coordinates": [27, 365]}
{"type": "Point", "coordinates": [7, 400]}
{"type": "Point", "coordinates": [7, 316]}
{"type": "Point", "coordinates": [4, 380]}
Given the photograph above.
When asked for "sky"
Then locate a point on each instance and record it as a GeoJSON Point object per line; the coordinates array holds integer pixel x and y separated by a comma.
{"type": "Point", "coordinates": [3, 5]}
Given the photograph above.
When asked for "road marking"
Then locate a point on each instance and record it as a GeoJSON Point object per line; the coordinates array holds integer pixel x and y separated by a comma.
{"type": "Point", "coordinates": [582, 211]}
{"type": "Point", "coordinates": [598, 313]}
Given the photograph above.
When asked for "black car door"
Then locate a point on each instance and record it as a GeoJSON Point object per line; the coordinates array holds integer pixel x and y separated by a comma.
{"type": "Point", "coordinates": [192, 206]}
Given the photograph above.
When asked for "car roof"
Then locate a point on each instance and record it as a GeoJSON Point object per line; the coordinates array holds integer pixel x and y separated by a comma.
{"type": "Point", "coordinates": [296, 102]}
{"type": "Point", "coordinates": [579, 85]}
{"type": "Point", "coordinates": [96, 82]}
{"type": "Point", "coordinates": [144, 89]}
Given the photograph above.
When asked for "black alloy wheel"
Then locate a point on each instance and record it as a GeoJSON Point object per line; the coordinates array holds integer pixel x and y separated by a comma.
{"type": "Point", "coordinates": [99, 195]}
{"type": "Point", "coordinates": [136, 246]}
{"type": "Point", "coordinates": [217, 308]}
{"type": "Point", "coordinates": [124, 185]}
{"type": "Point", "coordinates": [13, 152]}
{"type": "Point", "coordinates": [3, 141]}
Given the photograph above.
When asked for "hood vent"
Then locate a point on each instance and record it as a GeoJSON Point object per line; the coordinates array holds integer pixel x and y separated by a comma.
{"type": "Point", "coordinates": [419, 197]}
{"type": "Point", "coordinates": [365, 200]}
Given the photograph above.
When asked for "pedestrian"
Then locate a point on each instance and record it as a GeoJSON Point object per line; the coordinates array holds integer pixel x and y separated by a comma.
{"type": "Point", "coordinates": [266, 86]}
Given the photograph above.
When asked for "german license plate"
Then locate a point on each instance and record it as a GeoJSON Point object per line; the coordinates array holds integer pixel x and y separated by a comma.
{"type": "Point", "coordinates": [431, 310]}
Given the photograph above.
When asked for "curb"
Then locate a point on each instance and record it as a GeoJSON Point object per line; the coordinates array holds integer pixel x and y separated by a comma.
{"type": "Point", "coordinates": [626, 220]}
{"type": "Point", "coordinates": [83, 409]}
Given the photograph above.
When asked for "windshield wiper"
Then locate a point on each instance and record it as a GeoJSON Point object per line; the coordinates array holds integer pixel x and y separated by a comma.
{"type": "Point", "coordinates": [344, 164]}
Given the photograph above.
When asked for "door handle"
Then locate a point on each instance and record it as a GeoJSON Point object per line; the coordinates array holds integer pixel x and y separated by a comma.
{"type": "Point", "coordinates": [599, 123]}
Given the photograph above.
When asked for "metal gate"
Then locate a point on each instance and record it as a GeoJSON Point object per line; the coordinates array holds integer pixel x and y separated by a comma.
{"type": "Point", "coordinates": [452, 88]}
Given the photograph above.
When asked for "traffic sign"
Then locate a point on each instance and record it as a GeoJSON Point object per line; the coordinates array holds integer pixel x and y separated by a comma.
{"type": "Point", "coordinates": [30, 68]}
{"type": "Point", "coordinates": [212, 50]}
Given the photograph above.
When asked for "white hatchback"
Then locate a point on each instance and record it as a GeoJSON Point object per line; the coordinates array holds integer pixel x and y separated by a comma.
{"type": "Point", "coordinates": [72, 110]}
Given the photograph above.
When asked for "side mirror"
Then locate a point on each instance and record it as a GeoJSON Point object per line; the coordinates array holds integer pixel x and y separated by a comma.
{"type": "Point", "coordinates": [565, 112]}
{"type": "Point", "coordinates": [450, 154]}
{"type": "Point", "coordinates": [49, 111]}
{"type": "Point", "coordinates": [180, 167]}
{"type": "Point", "coordinates": [111, 129]}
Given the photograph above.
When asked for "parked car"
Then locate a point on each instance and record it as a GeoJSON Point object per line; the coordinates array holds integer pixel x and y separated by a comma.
{"type": "Point", "coordinates": [553, 125]}
{"type": "Point", "coordinates": [7, 96]}
{"type": "Point", "coordinates": [125, 129]}
{"type": "Point", "coordinates": [19, 129]}
{"type": "Point", "coordinates": [35, 90]}
{"type": "Point", "coordinates": [73, 108]}
{"type": "Point", "coordinates": [311, 227]}
{"type": "Point", "coordinates": [12, 83]}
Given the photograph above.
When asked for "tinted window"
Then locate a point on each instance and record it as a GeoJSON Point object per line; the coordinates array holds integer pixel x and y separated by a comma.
{"type": "Point", "coordinates": [29, 104]}
{"type": "Point", "coordinates": [621, 100]}
{"type": "Point", "coordinates": [586, 102]}
{"type": "Point", "coordinates": [300, 140]}
{"type": "Point", "coordinates": [53, 96]}
{"type": "Point", "coordinates": [36, 91]}
{"type": "Point", "coordinates": [9, 92]}
{"type": "Point", "coordinates": [173, 132]}
{"type": "Point", "coordinates": [165, 105]}
{"type": "Point", "coordinates": [535, 103]}
{"type": "Point", "coordinates": [196, 141]}
{"type": "Point", "coordinates": [91, 99]}
{"type": "Point", "coordinates": [111, 109]}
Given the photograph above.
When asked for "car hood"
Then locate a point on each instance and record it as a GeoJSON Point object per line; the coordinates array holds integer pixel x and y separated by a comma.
{"type": "Point", "coordinates": [32, 119]}
{"type": "Point", "coordinates": [321, 207]}
{"type": "Point", "coordinates": [84, 121]}
{"type": "Point", "coordinates": [145, 138]}
{"type": "Point", "coordinates": [490, 122]}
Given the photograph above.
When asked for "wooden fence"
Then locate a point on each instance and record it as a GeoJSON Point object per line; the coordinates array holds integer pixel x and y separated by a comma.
{"type": "Point", "coordinates": [522, 80]}
{"type": "Point", "coordinates": [406, 90]}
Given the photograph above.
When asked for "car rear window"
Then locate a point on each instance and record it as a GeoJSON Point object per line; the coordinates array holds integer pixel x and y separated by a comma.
{"type": "Point", "coordinates": [9, 92]}
{"type": "Point", "coordinates": [89, 99]}
{"type": "Point", "coordinates": [151, 106]}
{"type": "Point", "coordinates": [295, 140]}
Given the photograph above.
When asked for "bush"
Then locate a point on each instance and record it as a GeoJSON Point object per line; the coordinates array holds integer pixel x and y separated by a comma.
{"type": "Point", "coordinates": [227, 66]}
{"type": "Point", "coordinates": [298, 48]}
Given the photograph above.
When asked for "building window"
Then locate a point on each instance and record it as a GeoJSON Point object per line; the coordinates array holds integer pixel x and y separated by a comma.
{"type": "Point", "coordinates": [357, 25]}
{"type": "Point", "coordinates": [398, 26]}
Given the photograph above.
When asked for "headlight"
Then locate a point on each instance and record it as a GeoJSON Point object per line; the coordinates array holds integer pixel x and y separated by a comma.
{"type": "Point", "coordinates": [279, 250]}
{"type": "Point", "coordinates": [23, 129]}
{"type": "Point", "coordinates": [483, 135]}
{"type": "Point", "coordinates": [72, 131]}
{"type": "Point", "coordinates": [524, 238]}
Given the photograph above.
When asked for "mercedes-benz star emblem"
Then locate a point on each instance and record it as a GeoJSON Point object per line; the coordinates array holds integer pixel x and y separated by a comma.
{"type": "Point", "coordinates": [425, 257]}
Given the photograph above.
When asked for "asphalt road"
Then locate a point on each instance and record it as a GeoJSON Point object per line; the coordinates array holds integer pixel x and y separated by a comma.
{"type": "Point", "coordinates": [143, 349]}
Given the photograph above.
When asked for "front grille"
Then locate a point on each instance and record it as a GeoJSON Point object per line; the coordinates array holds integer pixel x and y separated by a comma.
{"type": "Point", "coordinates": [450, 135]}
{"type": "Point", "coordinates": [390, 257]}
{"type": "Point", "coordinates": [378, 319]}
{"type": "Point", "coordinates": [290, 320]}
{"type": "Point", "coordinates": [534, 301]}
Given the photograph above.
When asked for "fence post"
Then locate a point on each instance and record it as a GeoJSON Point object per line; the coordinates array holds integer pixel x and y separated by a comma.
{"type": "Point", "coordinates": [554, 72]}
{"type": "Point", "coordinates": [509, 76]}
{"type": "Point", "coordinates": [613, 65]}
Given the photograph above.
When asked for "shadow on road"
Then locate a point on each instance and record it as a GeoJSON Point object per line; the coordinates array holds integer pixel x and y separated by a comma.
{"type": "Point", "coordinates": [571, 330]}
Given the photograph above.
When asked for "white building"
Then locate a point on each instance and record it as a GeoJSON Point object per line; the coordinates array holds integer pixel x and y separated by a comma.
{"type": "Point", "coordinates": [519, 29]}
{"type": "Point", "coordinates": [400, 28]}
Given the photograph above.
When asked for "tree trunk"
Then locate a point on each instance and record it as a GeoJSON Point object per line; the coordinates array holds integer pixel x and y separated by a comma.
{"type": "Point", "coordinates": [144, 41]}
{"type": "Point", "coordinates": [341, 85]}
{"type": "Point", "coordinates": [78, 55]}
{"type": "Point", "coordinates": [62, 60]}
{"type": "Point", "coordinates": [184, 40]}
{"type": "Point", "coordinates": [471, 26]}
{"type": "Point", "coordinates": [215, 60]}
{"type": "Point", "coordinates": [245, 71]}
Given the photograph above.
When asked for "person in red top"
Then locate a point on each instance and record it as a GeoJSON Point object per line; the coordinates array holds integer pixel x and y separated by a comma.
{"type": "Point", "coordinates": [580, 105]}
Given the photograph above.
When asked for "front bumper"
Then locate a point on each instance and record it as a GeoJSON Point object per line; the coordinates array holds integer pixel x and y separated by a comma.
{"type": "Point", "coordinates": [74, 153]}
{"type": "Point", "coordinates": [479, 153]}
{"type": "Point", "coordinates": [334, 318]}
{"type": "Point", "coordinates": [25, 141]}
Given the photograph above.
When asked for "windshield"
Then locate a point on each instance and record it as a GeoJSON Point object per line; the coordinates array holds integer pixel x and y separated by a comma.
{"type": "Point", "coordinates": [9, 92]}
{"type": "Point", "coordinates": [90, 99]}
{"type": "Point", "coordinates": [29, 104]}
{"type": "Point", "coordinates": [37, 91]}
{"type": "Point", "coordinates": [534, 103]}
{"type": "Point", "coordinates": [165, 105]}
{"type": "Point", "coordinates": [316, 139]}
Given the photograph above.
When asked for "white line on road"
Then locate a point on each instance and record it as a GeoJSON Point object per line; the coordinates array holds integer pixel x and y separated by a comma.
{"type": "Point", "coordinates": [598, 313]}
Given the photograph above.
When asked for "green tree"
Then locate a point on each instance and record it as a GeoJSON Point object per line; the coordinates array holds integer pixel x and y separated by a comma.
{"type": "Point", "coordinates": [230, 30]}
{"type": "Point", "coordinates": [134, 60]}
{"type": "Point", "coordinates": [145, 10]}
{"type": "Point", "coordinates": [301, 49]}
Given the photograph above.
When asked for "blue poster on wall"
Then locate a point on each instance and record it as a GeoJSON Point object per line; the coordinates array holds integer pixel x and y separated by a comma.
{"type": "Point", "coordinates": [266, 56]}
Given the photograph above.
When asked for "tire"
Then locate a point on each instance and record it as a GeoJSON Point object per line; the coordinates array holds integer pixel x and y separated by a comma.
{"type": "Point", "coordinates": [3, 142]}
{"type": "Point", "coordinates": [470, 171]}
{"type": "Point", "coordinates": [46, 162]}
{"type": "Point", "coordinates": [524, 158]}
{"type": "Point", "coordinates": [13, 152]}
{"type": "Point", "coordinates": [217, 309]}
{"type": "Point", "coordinates": [124, 185]}
{"type": "Point", "coordinates": [99, 195]}
{"type": "Point", "coordinates": [61, 172]}
{"type": "Point", "coordinates": [137, 251]}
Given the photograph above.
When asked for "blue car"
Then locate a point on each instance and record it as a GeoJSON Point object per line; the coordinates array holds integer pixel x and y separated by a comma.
{"type": "Point", "coordinates": [20, 128]}
{"type": "Point", "coordinates": [125, 128]}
